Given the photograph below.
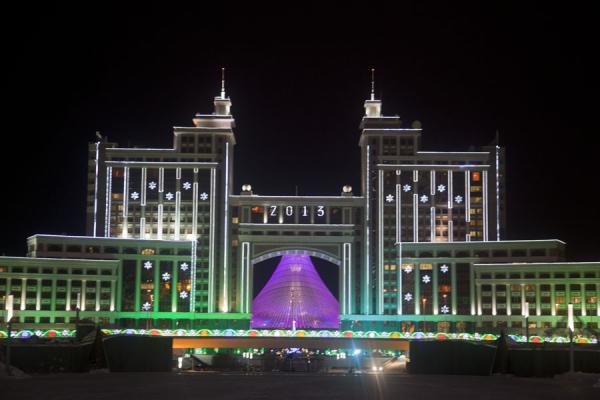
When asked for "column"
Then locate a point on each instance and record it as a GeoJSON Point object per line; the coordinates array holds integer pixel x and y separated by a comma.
{"type": "Point", "coordinates": [83, 295]}
{"type": "Point", "coordinates": [453, 288]}
{"type": "Point", "coordinates": [479, 307]}
{"type": "Point", "coordinates": [174, 280]}
{"type": "Point", "coordinates": [23, 294]}
{"type": "Point", "coordinates": [53, 301]}
{"type": "Point", "coordinates": [38, 296]}
{"type": "Point", "coordinates": [434, 289]}
{"type": "Point", "coordinates": [68, 298]}
{"type": "Point", "coordinates": [523, 301]}
{"type": "Point", "coordinates": [494, 298]}
{"type": "Point", "coordinates": [508, 300]}
{"type": "Point", "coordinates": [113, 285]}
{"type": "Point", "coordinates": [538, 300]}
{"type": "Point", "coordinates": [138, 281]}
{"type": "Point", "coordinates": [553, 300]}
{"type": "Point", "coordinates": [98, 289]}
{"type": "Point", "coordinates": [156, 293]}
{"type": "Point", "coordinates": [417, 297]}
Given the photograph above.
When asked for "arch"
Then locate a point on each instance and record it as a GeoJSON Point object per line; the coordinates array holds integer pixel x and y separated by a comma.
{"type": "Point", "coordinates": [308, 252]}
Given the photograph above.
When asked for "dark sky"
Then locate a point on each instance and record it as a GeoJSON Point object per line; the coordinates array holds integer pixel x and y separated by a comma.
{"type": "Point", "coordinates": [297, 79]}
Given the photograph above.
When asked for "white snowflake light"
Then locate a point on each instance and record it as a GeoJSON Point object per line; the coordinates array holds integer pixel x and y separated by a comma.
{"type": "Point", "coordinates": [458, 199]}
{"type": "Point", "coordinates": [187, 185]}
{"type": "Point", "coordinates": [444, 268]}
{"type": "Point", "coordinates": [65, 332]}
{"type": "Point", "coordinates": [424, 198]}
{"type": "Point", "coordinates": [152, 185]}
{"type": "Point", "coordinates": [147, 265]}
{"type": "Point", "coordinates": [38, 333]}
{"type": "Point", "coordinates": [203, 196]}
{"type": "Point", "coordinates": [426, 279]}
{"type": "Point", "coordinates": [135, 195]}
{"type": "Point", "coordinates": [406, 188]}
{"type": "Point", "coordinates": [445, 309]}
{"type": "Point", "coordinates": [183, 294]}
{"type": "Point", "coordinates": [408, 297]}
{"type": "Point", "coordinates": [389, 198]}
{"type": "Point", "coordinates": [441, 188]}
{"type": "Point", "coordinates": [184, 266]}
{"type": "Point", "coordinates": [166, 276]}
{"type": "Point", "coordinates": [169, 196]}
{"type": "Point", "coordinates": [408, 269]}
{"type": "Point", "coordinates": [146, 306]}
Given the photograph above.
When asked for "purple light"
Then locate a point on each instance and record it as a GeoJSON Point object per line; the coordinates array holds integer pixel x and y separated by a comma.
{"type": "Point", "coordinates": [295, 292]}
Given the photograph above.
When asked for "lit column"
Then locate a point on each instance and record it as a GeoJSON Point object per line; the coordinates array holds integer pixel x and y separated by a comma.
{"type": "Point", "coordinates": [113, 285]}
{"type": "Point", "coordinates": [177, 203]}
{"type": "Point", "coordinates": [138, 284]}
{"type": "Point", "coordinates": [494, 311]}
{"type": "Point", "coordinates": [380, 257]}
{"type": "Point", "coordinates": [83, 295]}
{"type": "Point", "coordinates": [538, 300]}
{"type": "Point", "coordinates": [161, 189]}
{"type": "Point", "coordinates": [598, 299]}
{"type": "Point", "coordinates": [417, 298]}
{"type": "Point", "coordinates": [346, 278]}
{"type": "Point", "coordinates": [245, 281]}
{"type": "Point", "coordinates": [472, 289]}
{"type": "Point", "coordinates": [434, 289]}
{"type": "Point", "coordinates": [108, 210]}
{"type": "Point", "coordinates": [211, 245]}
{"type": "Point", "coordinates": [508, 300]}
{"type": "Point", "coordinates": [38, 296]}
{"type": "Point", "coordinates": [174, 280]}
{"type": "Point", "coordinates": [156, 286]}
{"type": "Point", "coordinates": [68, 297]}
{"type": "Point", "coordinates": [479, 307]}
{"type": "Point", "coordinates": [124, 232]}
{"type": "Point", "coordinates": [523, 301]}
{"type": "Point", "coordinates": [453, 288]}
{"type": "Point", "coordinates": [485, 206]}
{"type": "Point", "coordinates": [553, 299]}
{"type": "Point", "coordinates": [415, 207]}
{"type": "Point", "coordinates": [23, 294]}
{"type": "Point", "coordinates": [53, 300]}
{"type": "Point", "coordinates": [98, 288]}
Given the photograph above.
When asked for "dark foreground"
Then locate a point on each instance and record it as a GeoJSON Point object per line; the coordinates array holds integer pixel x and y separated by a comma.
{"type": "Point", "coordinates": [211, 386]}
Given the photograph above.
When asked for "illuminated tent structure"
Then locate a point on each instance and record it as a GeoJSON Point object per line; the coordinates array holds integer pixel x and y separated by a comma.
{"type": "Point", "coordinates": [295, 292]}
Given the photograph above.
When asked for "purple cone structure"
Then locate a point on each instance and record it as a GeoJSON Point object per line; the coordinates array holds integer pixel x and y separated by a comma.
{"type": "Point", "coordinates": [295, 292]}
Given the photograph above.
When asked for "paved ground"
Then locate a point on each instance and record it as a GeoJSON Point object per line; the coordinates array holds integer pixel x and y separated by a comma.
{"type": "Point", "coordinates": [149, 386]}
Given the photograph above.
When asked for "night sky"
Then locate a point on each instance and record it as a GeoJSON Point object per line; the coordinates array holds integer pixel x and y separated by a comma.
{"type": "Point", "coordinates": [298, 79]}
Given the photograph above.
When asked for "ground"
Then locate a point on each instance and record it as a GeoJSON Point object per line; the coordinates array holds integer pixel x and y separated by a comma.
{"type": "Point", "coordinates": [179, 386]}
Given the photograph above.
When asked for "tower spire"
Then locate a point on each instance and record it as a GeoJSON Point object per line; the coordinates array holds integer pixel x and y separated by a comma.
{"type": "Point", "coordinates": [223, 82]}
{"type": "Point", "coordinates": [372, 83]}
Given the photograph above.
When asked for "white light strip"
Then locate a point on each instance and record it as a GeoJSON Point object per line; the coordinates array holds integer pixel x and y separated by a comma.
{"type": "Point", "coordinates": [193, 276]}
{"type": "Point", "coordinates": [211, 244]}
{"type": "Point", "coordinates": [398, 213]}
{"type": "Point", "coordinates": [432, 183]}
{"type": "Point", "coordinates": [195, 209]}
{"type": "Point", "coordinates": [415, 218]}
{"type": "Point", "coordinates": [96, 187]}
{"type": "Point", "coordinates": [108, 210]}
{"type": "Point", "coordinates": [367, 231]}
{"type": "Point", "coordinates": [160, 222]}
{"type": "Point", "coordinates": [399, 297]}
{"type": "Point", "coordinates": [343, 290]}
{"type": "Point", "coordinates": [177, 215]}
{"type": "Point", "coordinates": [245, 266]}
{"type": "Point", "coordinates": [415, 175]}
{"type": "Point", "coordinates": [143, 188]}
{"type": "Point", "coordinates": [143, 228]}
{"type": "Point", "coordinates": [432, 166]}
{"type": "Point", "coordinates": [497, 193]}
{"type": "Point", "coordinates": [161, 180]}
{"type": "Point", "coordinates": [450, 190]}
{"type": "Point", "coordinates": [450, 231]}
{"type": "Point", "coordinates": [467, 197]}
{"type": "Point", "coordinates": [485, 206]}
{"type": "Point", "coordinates": [124, 232]}
{"type": "Point", "coordinates": [348, 258]}
{"type": "Point", "coordinates": [432, 225]}
{"type": "Point", "coordinates": [380, 228]}
{"type": "Point", "coordinates": [225, 299]}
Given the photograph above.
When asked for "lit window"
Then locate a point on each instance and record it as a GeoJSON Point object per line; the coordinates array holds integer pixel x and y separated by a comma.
{"type": "Point", "coordinates": [476, 176]}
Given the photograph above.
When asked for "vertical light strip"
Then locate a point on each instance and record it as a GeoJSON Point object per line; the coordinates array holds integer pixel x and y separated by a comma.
{"type": "Point", "coordinates": [161, 189]}
{"type": "Point", "coordinates": [380, 228]}
{"type": "Point", "coordinates": [432, 182]}
{"type": "Point", "coordinates": [450, 190]}
{"type": "Point", "coordinates": [195, 210]}
{"type": "Point", "coordinates": [225, 299]}
{"type": "Point", "coordinates": [398, 214]}
{"type": "Point", "coordinates": [432, 225]}
{"type": "Point", "coordinates": [248, 264]}
{"type": "Point", "coordinates": [367, 288]}
{"type": "Point", "coordinates": [399, 297]}
{"type": "Point", "coordinates": [193, 274]}
{"type": "Point", "coordinates": [468, 196]}
{"type": "Point", "coordinates": [243, 276]}
{"type": "Point", "coordinates": [142, 227]}
{"type": "Point", "coordinates": [450, 230]}
{"type": "Point", "coordinates": [108, 202]}
{"type": "Point", "coordinates": [143, 204]}
{"type": "Point", "coordinates": [178, 204]}
{"type": "Point", "coordinates": [211, 243]}
{"type": "Point", "coordinates": [415, 217]}
{"type": "Point", "coordinates": [343, 290]}
{"type": "Point", "coordinates": [497, 193]}
{"type": "Point", "coordinates": [124, 232]}
{"type": "Point", "coordinates": [143, 188]}
{"type": "Point", "coordinates": [485, 206]}
{"type": "Point", "coordinates": [348, 284]}
{"type": "Point", "coordinates": [96, 187]}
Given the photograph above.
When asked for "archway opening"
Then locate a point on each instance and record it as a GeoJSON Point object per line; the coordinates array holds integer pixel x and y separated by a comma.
{"type": "Point", "coordinates": [295, 291]}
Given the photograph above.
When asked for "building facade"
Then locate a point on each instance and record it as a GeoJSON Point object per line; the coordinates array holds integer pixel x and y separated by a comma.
{"type": "Point", "coordinates": [421, 247]}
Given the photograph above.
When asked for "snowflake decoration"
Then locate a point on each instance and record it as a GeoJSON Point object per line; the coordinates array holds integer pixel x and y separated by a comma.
{"type": "Point", "coordinates": [203, 196]}
{"type": "Point", "coordinates": [389, 198]}
{"type": "Point", "coordinates": [406, 188]}
{"type": "Point", "coordinates": [184, 266]}
{"type": "Point", "coordinates": [458, 199]}
{"type": "Point", "coordinates": [424, 198]}
{"type": "Point", "coordinates": [407, 297]}
{"type": "Point", "coordinates": [444, 268]}
{"type": "Point", "coordinates": [166, 276]}
{"type": "Point", "coordinates": [152, 185]}
{"type": "Point", "coordinates": [441, 188]}
{"type": "Point", "coordinates": [65, 332]}
{"type": "Point", "coordinates": [169, 196]}
{"type": "Point", "coordinates": [135, 195]}
{"type": "Point", "coordinates": [426, 279]}
{"type": "Point", "coordinates": [146, 306]}
{"type": "Point", "coordinates": [147, 265]}
{"type": "Point", "coordinates": [445, 309]}
{"type": "Point", "coordinates": [183, 294]}
{"type": "Point", "coordinates": [38, 333]}
{"type": "Point", "coordinates": [408, 269]}
{"type": "Point", "coordinates": [187, 185]}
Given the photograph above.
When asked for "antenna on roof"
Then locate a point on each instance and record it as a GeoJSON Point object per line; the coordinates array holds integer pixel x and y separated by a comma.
{"type": "Point", "coordinates": [223, 82]}
{"type": "Point", "coordinates": [372, 83]}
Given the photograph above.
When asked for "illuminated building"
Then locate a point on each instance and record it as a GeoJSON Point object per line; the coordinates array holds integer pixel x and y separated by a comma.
{"type": "Point", "coordinates": [422, 246]}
